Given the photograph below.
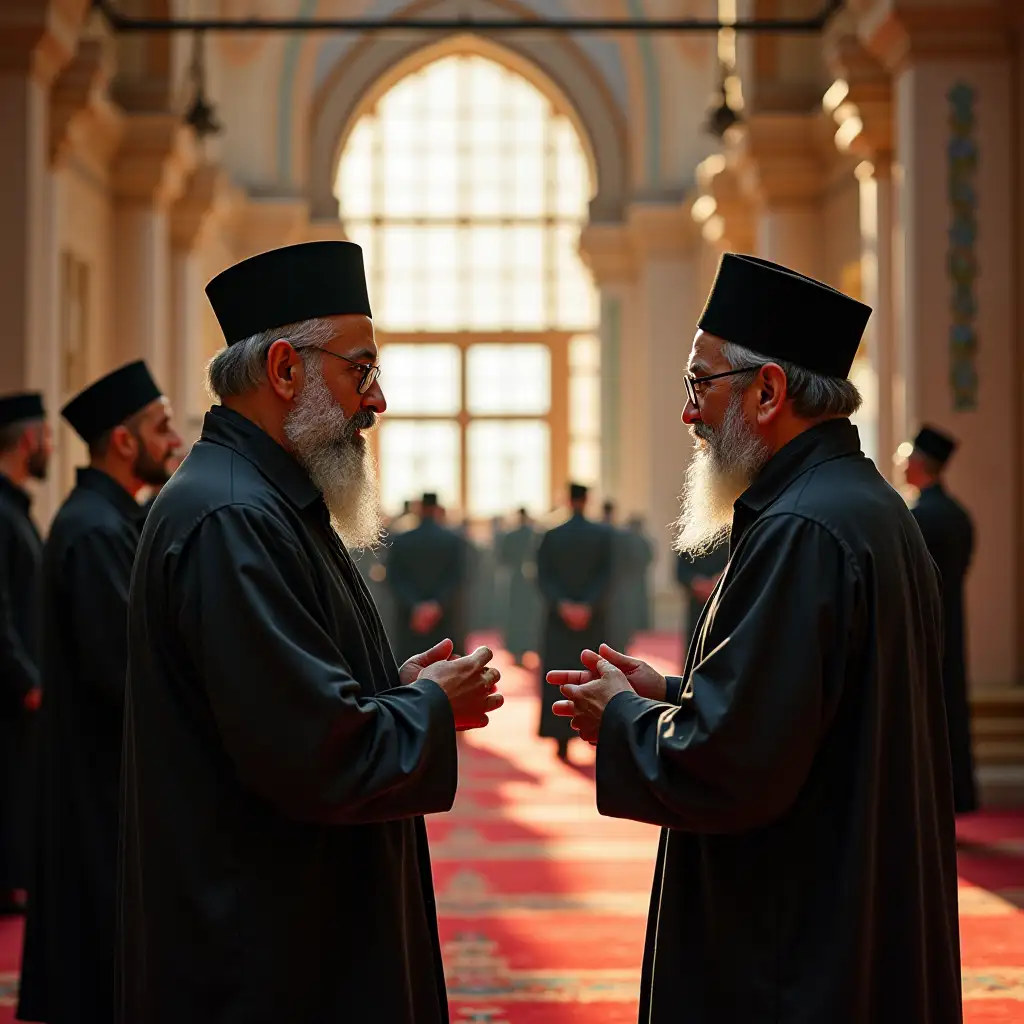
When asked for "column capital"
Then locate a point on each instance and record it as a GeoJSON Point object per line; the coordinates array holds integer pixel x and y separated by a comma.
{"type": "Point", "coordinates": [779, 157]}
{"type": "Point", "coordinates": [270, 221]}
{"type": "Point", "coordinates": [607, 249]}
{"type": "Point", "coordinates": [208, 196]}
{"type": "Point", "coordinates": [81, 114]}
{"type": "Point", "coordinates": [722, 208]}
{"type": "Point", "coordinates": [899, 32]}
{"type": "Point", "coordinates": [861, 94]}
{"type": "Point", "coordinates": [156, 155]}
{"type": "Point", "coordinates": [38, 37]}
{"type": "Point", "coordinates": [660, 230]}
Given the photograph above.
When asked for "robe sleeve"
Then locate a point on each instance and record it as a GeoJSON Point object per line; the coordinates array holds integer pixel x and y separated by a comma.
{"type": "Point", "coordinates": [98, 571]}
{"type": "Point", "coordinates": [737, 750]}
{"type": "Point", "coordinates": [291, 717]}
{"type": "Point", "coordinates": [19, 671]}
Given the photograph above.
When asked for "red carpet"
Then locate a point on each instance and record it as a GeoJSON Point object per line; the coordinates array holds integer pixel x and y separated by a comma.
{"type": "Point", "coordinates": [543, 904]}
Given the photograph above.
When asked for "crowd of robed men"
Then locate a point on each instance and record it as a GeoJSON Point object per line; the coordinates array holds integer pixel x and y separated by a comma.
{"type": "Point", "coordinates": [232, 768]}
{"type": "Point", "coordinates": [431, 582]}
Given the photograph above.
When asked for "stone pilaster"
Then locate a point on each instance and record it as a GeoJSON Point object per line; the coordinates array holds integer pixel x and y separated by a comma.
{"type": "Point", "coordinates": [957, 311]}
{"type": "Point", "coordinates": [150, 172]}
{"type": "Point", "coordinates": [665, 242]}
{"type": "Point", "coordinates": [782, 169]}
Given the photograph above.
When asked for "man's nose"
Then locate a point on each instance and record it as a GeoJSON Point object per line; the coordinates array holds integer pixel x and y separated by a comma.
{"type": "Point", "coordinates": [691, 414]}
{"type": "Point", "coordinates": [374, 399]}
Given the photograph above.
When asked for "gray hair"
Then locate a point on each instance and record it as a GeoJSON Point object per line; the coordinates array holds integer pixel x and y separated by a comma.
{"type": "Point", "coordinates": [12, 433]}
{"type": "Point", "coordinates": [241, 367]}
{"type": "Point", "coordinates": [814, 396]}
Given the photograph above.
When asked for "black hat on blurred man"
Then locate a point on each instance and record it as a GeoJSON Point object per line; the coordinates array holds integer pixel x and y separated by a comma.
{"type": "Point", "coordinates": [21, 407]}
{"type": "Point", "coordinates": [577, 492]}
{"type": "Point", "coordinates": [781, 314]}
{"type": "Point", "coordinates": [287, 285]}
{"type": "Point", "coordinates": [935, 444]}
{"type": "Point", "coordinates": [111, 400]}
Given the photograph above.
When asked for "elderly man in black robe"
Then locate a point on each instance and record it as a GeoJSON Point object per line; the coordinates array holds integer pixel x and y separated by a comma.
{"type": "Point", "coordinates": [67, 972]}
{"type": "Point", "coordinates": [949, 533]}
{"type": "Point", "coordinates": [574, 573]}
{"type": "Point", "coordinates": [25, 450]}
{"type": "Point", "coordinates": [277, 762]}
{"type": "Point", "coordinates": [800, 768]}
{"type": "Point", "coordinates": [427, 573]}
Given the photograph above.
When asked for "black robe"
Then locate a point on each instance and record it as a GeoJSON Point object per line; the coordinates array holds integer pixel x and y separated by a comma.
{"type": "Point", "coordinates": [574, 563]}
{"type": "Point", "coordinates": [523, 607]}
{"type": "Point", "coordinates": [67, 974]}
{"type": "Point", "coordinates": [274, 861]}
{"type": "Point", "coordinates": [428, 563]}
{"type": "Point", "coordinates": [807, 864]}
{"type": "Point", "coordinates": [21, 553]}
{"type": "Point", "coordinates": [949, 534]}
{"type": "Point", "coordinates": [688, 569]}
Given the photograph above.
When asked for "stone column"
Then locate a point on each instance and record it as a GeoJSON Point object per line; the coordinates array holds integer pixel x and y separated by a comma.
{"type": "Point", "coordinates": [782, 170]}
{"type": "Point", "coordinates": [151, 167]}
{"type": "Point", "coordinates": [37, 39]}
{"type": "Point", "coordinates": [956, 315]}
{"type": "Point", "coordinates": [607, 250]}
{"type": "Point", "coordinates": [655, 444]}
{"type": "Point", "coordinates": [860, 103]}
{"type": "Point", "coordinates": [192, 218]}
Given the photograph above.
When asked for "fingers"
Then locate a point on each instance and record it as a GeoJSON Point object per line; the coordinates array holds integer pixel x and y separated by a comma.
{"type": "Point", "coordinates": [480, 657]}
{"type": "Point", "coordinates": [493, 702]}
{"type": "Point", "coordinates": [439, 652]}
{"type": "Point", "coordinates": [570, 677]}
{"type": "Point", "coordinates": [621, 661]}
{"type": "Point", "coordinates": [564, 708]}
{"type": "Point", "coordinates": [489, 677]}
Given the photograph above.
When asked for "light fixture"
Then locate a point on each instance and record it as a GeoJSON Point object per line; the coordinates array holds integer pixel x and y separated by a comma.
{"type": "Point", "coordinates": [200, 115]}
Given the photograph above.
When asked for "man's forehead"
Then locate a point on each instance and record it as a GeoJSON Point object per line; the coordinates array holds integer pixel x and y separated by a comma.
{"type": "Point", "coordinates": [705, 353]}
{"type": "Point", "coordinates": [354, 337]}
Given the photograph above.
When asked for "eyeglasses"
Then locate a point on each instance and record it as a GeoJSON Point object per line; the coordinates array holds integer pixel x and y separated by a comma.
{"type": "Point", "coordinates": [370, 371]}
{"type": "Point", "coordinates": [693, 382]}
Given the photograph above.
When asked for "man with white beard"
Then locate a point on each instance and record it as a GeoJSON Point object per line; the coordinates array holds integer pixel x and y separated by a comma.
{"type": "Point", "coordinates": [277, 762]}
{"type": "Point", "coordinates": [800, 767]}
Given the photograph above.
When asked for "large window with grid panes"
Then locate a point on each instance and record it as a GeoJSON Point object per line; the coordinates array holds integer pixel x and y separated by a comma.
{"type": "Point", "coordinates": [467, 187]}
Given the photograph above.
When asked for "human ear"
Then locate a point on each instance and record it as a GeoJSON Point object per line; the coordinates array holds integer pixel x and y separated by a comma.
{"type": "Point", "coordinates": [284, 370]}
{"type": "Point", "coordinates": [771, 392]}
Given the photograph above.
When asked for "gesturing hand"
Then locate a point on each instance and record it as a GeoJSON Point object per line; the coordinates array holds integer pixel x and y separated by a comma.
{"type": "Point", "coordinates": [646, 681]}
{"type": "Point", "coordinates": [588, 692]}
{"type": "Point", "coordinates": [410, 671]}
{"type": "Point", "coordinates": [470, 684]}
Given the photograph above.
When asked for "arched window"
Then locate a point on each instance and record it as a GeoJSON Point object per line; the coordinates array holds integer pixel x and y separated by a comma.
{"type": "Point", "coordinates": [467, 188]}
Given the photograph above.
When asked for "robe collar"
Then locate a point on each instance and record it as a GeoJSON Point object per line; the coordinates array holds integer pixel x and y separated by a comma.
{"type": "Point", "coordinates": [232, 430]}
{"type": "Point", "coordinates": [833, 439]}
{"type": "Point", "coordinates": [18, 497]}
{"type": "Point", "coordinates": [107, 487]}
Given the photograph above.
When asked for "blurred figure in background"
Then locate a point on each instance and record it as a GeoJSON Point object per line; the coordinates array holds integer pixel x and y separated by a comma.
{"type": "Point", "coordinates": [639, 558]}
{"type": "Point", "coordinates": [524, 609]}
{"type": "Point", "coordinates": [574, 571]}
{"type": "Point", "coordinates": [25, 450]}
{"type": "Point", "coordinates": [698, 575]}
{"type": "Point", "coordinates": [949, 534]}
{"type": "Point", "coordinates": [426, 568]}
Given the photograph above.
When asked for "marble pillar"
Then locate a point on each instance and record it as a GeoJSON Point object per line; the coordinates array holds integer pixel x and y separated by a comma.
{"type": "Point", "coordinates": [783, 174]}
{"type": "Point", "coordinates": [193, 217]}
{"type": "Point", "coordinates": [151, 167]}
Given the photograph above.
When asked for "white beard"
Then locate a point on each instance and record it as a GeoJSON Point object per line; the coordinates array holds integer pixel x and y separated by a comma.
{"type": "Point", "coordinates": [338, 460]}
{"type": "Point", "coordinates": [720, 470]}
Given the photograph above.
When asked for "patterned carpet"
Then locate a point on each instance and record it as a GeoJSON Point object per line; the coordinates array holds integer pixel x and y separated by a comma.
{"type": "Point", "coordinates": [542, 903]}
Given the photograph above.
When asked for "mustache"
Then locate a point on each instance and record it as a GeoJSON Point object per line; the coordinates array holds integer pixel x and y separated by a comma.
{"type": "Point", "coordinates": [702, 431]}
{"type": "Point", "coordinates": [364, 419]}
